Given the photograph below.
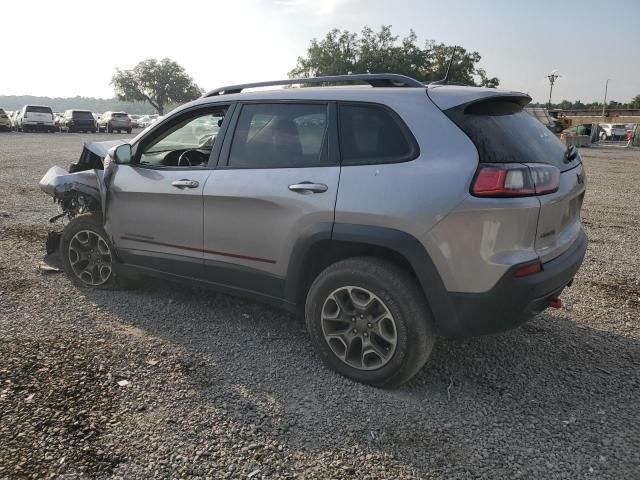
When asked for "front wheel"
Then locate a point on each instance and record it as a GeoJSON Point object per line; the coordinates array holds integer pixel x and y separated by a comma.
{"type": "Point", "coordinates": [86, 253]}
{"type": "Point", "coordinates": [369, 321]}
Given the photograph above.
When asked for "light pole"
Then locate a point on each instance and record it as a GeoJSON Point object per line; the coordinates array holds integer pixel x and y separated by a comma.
{"type": "Point", "coordinates": [552, 77]}
{"type": "Point", "coordinates": [604, 103]}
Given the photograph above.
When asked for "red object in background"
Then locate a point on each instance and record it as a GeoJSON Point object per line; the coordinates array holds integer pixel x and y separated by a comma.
{"type": "Point", "coordinates": [555, 302]}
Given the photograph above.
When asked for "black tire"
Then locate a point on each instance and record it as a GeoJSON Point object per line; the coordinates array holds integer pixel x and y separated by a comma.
{"type": "Point", "coordinates": [403, 298]}
{"type": "Point", "coordinates": [87, 222]}
{"type": "Point", "coordinates": [128, 130]}
{"type": "Point", "coordinates": [108, 128]}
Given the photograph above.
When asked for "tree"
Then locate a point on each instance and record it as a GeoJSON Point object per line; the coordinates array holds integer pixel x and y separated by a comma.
{"type": "Point", "coordinates": [341, 52]}
{"type": "Point", "coordinates": [157, 82]}
{"type": "Point", "coordinates": [635, 103]}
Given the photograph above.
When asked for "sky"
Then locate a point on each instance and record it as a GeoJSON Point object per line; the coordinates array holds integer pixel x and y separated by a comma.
{"type": "Point", "coordinates": [64, 49]}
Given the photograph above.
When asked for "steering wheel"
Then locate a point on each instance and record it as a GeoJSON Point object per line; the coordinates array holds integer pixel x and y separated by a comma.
{"type": "Point", "coordinates": [183, 156]}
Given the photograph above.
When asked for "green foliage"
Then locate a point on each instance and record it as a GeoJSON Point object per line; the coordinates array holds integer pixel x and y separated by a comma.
{"type": "Point", "coordinates": [635, 103]}
{"type": "Point", "coordinates": [156, 82]}
{"type": "Point", "coordinates": [341, 52]}
{"type": "Point", "coordinates": [595, 106]}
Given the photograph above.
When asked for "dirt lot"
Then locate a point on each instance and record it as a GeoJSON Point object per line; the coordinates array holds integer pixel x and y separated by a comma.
{"type": "Point", "coordinates": [225, 388]}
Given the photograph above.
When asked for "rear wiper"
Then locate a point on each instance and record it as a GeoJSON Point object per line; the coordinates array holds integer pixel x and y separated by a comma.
{"type": "Point", "coordinates": [570, 154]}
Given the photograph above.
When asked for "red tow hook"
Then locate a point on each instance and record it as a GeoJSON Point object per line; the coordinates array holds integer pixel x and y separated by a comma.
{"type": "Point", "coordinates": [555, 302]}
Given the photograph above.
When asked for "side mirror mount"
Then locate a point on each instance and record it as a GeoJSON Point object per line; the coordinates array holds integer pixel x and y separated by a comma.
{"type": "Point", "coordinates": [122, 154]}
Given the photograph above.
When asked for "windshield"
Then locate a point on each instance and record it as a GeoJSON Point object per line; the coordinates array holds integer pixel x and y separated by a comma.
{"type": "Point", "coordinates": [504, 133]}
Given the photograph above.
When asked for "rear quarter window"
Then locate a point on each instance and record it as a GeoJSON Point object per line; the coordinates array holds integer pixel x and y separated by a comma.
{"type": "Point", "coordinates": [371, 134]}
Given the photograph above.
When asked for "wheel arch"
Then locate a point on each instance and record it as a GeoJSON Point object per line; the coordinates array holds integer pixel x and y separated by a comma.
{"type": "Point", "coordinates": [325, 244]}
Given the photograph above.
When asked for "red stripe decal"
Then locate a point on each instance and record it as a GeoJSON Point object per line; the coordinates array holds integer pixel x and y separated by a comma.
{"type": "Point", "coordinates": [193, 249]}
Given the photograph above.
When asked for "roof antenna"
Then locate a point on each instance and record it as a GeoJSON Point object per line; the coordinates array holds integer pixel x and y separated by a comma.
{"type": "Point", "coordinates": [445, 80]}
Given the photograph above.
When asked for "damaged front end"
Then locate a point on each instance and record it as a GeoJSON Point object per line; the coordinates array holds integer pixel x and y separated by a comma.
{"type": "Point", "coordinates": [78, 190]}
{"type": "Point", "coordinates": [81, 188]}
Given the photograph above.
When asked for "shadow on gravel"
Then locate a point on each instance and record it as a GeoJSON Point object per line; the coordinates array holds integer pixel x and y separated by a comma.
{"type": "Point", "coordinates": [553, 396]}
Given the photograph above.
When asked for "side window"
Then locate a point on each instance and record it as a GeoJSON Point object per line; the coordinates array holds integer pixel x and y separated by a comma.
{"type": "Point", "coordinates": [187, 143]}
{"type": "Point", "coordinates": [280, 135]}
{"type": "Point", "coordinates": [370, 134]}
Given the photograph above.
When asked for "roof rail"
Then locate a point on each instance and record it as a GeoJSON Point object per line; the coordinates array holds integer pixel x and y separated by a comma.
{"type": "Point", "coordinates": [373, 79]}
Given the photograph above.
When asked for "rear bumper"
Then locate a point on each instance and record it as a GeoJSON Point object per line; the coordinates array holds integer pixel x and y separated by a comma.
{"type": "Point", "coordinates": [514, 300]}
{"type": "Point", "coordinates": [38, 126]}
{"type": "Point", "coordinates": [81, 126]}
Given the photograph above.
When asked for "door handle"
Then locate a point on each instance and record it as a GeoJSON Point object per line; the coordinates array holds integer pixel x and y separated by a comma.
{"type": "Point", "coordinates": [184, 183]}
{"type": "Point", "coordinates": [308, 187]}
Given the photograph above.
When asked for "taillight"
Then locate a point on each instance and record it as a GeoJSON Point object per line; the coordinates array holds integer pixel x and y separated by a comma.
{"type": "Point", "coordinates": [515, 180]}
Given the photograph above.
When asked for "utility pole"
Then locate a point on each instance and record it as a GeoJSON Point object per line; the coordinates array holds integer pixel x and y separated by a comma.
{"type": "Point", "coordinates": [604, 103]}
{"type": "Point", "coordinates": [552, 77]}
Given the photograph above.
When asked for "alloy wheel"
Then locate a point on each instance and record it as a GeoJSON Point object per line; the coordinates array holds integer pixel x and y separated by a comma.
{"type": "Point", "coordinates": [90, 258]}
{"type": "Point", "coordinates": [359, 328]}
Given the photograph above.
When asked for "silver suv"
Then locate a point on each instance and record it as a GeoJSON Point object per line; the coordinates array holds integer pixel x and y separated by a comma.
{"type": "Point", "coordinates": [390, 213]}
{"type": "Point", "coordinates": [114, 122]}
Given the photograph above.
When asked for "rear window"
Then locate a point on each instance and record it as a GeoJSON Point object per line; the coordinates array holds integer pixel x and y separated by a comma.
{"type": "Point", "coordinates": [371, 134]}
{"type": "Point", "coordinates": [2, 112]}
{"type": "Point", "coordinates": [504, 133]}
{"type": "Point", "coordinates": [36, 109]}
{"type": "Point", "coordinates": [83, 115]}
{"type": "Point", "coordinates": [120, 115]}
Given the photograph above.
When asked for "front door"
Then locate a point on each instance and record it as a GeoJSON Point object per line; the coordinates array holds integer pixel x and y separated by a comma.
{"type": "Point", "coordinates": [277, 181]}
{"type": "Point", "coordinates": [154, 207]}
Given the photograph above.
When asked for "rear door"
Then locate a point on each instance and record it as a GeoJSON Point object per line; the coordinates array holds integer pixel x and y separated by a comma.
{"type": "Point", "coordinates": [36, 115]}
{"type": "Point", "coordinates": [276, 182]}
{"type": "Point", "coordinates": [154, 205]}
{"type": "Point", "coordinates": [83, 120]}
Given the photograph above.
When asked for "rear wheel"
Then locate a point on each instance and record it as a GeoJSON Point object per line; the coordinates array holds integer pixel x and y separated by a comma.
{"type": "Point", "coordinates": [369, 321]}
{"type": "Point", "coordinates": [128, 130]}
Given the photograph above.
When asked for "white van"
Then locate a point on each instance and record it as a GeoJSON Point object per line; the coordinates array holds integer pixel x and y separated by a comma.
{"type": "Point", "coordinates": [35, 117]}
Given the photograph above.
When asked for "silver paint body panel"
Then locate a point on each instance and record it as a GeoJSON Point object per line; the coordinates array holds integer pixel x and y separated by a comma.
{"type": "Point", "coordinates": [249, 217]}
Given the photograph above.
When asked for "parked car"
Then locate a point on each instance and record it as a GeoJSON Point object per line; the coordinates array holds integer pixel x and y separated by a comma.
{"type": "Point", "coordinates": [5, 121]}
{"type": "Point", "coordinates": [134, 120]}
{"type": "Point", "coordinates": [389, 215]}
{"type": "Point", "coordinates": [145, 121]}
{"type": "Point", "coordinates": [78, 121]}
{"type": "Point", "coordinates": [613, 131]}
{"type": "Point", "coordinates": [35, 117]}
{"type": "Point", "coordinates": [114, 122]}
{"type": "Point", "coordinates": [14, 119]}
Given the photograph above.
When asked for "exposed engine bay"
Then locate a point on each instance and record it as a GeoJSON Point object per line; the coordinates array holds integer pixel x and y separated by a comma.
{"type": "Point", "coordinates": [79, 190]}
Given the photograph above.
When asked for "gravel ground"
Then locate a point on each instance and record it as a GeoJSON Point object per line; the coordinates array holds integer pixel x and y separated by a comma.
{"type": "Point", "coordinates": [225, 388]}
